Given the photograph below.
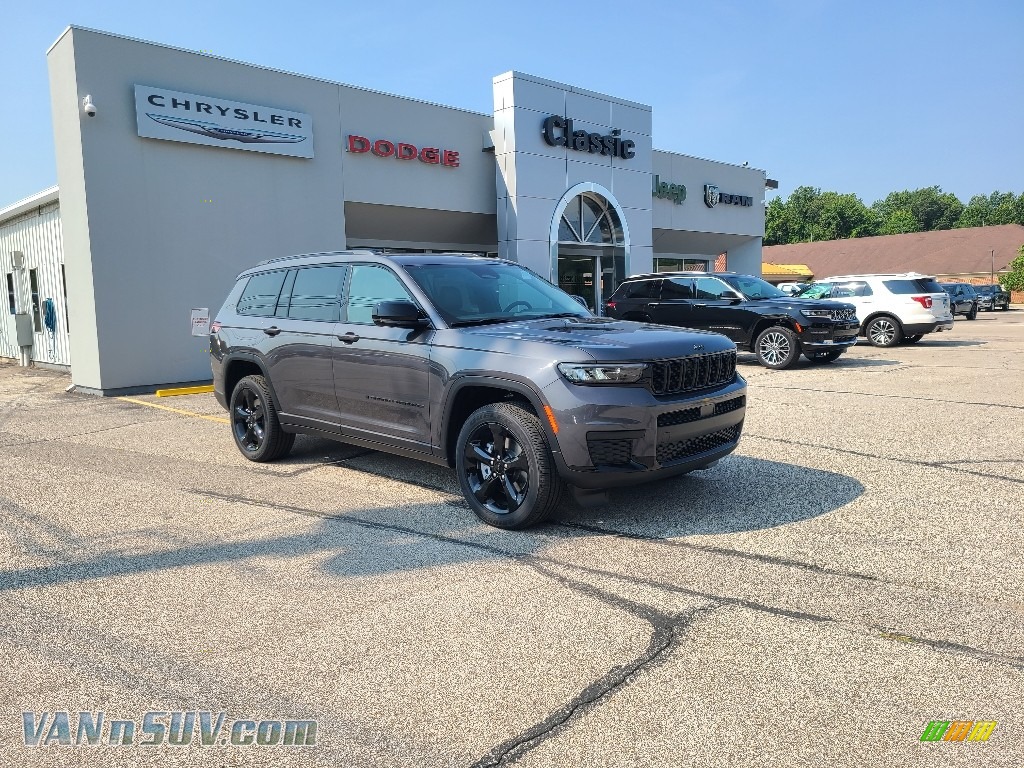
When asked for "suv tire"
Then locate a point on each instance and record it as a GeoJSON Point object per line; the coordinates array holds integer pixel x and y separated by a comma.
{"type": "Point", "coordinates": [884, 331]}
{"type": "Point", "coordinates": [777, 347]}
{"type": "Point", "coordinates": [254, 423]}
{"type": "Point", "coordinates": [505, 467]}
{"type": "Point", "coordinates": [973, 314]}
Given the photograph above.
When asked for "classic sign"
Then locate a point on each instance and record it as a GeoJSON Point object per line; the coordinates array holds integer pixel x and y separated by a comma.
{"type": "Point", "coordinates": [560, 132]}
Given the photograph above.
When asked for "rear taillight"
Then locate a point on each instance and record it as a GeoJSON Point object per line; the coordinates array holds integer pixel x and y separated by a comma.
{"type": "Point", "coordinates": [215, 326]}
{"type": "Point", "coordinates": [924, 301]}
{"type": "Point", "coordinates": [609, 305]}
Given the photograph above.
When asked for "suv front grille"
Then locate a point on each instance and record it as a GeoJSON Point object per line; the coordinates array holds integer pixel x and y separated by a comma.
{"type": "Point", "coordinates": [844, 314]}
{"type": "Point", "coordinates": [681, 449]}
{"type": "Point", "coordinates": [685, 374]}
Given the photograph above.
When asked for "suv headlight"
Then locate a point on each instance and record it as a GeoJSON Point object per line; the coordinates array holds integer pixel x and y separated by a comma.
{"type": "Point", "coordinates": [589, 373]}
{"type": "Point", "coordinates": [816, 312]}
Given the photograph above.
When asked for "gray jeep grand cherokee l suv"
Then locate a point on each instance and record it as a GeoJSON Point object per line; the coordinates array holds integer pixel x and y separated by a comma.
{"type": "Point", "coordinates": [471, 362]}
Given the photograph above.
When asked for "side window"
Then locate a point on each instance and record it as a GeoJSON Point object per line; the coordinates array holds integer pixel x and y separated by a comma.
{"type": "Point", "coordinates": [708, 288]}
{"type": "Point", "coordinates": [677, 288]}
{"type": "Point", "coordinates": [12, 301]}
{"type": "Point", "coordinates": [33, 281]}
{"type": "Point", "coordinates": [316, 294]}
{"type": "Point", "coordinates": [369, 285]}
{"type": "Point", "coordinates": [642, 289]}
{"type": "Point", "coordinates": [259, 299]}
{"type": "Point", "coordinates": [847, 290]}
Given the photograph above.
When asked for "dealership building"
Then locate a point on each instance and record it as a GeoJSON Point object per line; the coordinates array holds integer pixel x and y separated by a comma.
{"type": "Point", "coordinates": [177, 170]}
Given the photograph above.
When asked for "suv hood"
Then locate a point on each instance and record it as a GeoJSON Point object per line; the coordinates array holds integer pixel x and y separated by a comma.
{"type": "Point", "coordinates": [601, 338]}
{"type": "Point", "coordinates": [793, 302]}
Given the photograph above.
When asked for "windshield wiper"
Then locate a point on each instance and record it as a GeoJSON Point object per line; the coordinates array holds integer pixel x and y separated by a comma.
{"type": "Point", "coordinates": [483, 321]}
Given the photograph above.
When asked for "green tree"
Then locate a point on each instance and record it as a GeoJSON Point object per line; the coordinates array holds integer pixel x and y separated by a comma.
{"type": "Point", "coordinates": [997, 208]}
{"type": "Point", "coordinates": [843, 215]}
{"type": "Point", "coordinates": [930, 207]}
{"type": "Point", "coordinates": [898, 222]}
{"type": "Point", "coordinates": [1014, 279]}
{"type": "Point", "coordinates": [776, 223]}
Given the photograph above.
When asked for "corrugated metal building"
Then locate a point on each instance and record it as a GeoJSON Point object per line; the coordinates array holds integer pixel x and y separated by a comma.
{"type": "Point", "coordinates": [32, 260]}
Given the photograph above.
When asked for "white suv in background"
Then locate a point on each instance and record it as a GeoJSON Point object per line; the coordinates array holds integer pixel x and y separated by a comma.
{"type": "Point", "coordinates": [892, 308]}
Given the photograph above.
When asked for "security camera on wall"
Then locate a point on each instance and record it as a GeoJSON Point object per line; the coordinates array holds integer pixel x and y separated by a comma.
{"type": "Point", "coordinates": [88, 107]}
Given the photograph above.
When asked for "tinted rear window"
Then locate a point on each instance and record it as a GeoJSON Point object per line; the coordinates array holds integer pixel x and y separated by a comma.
{"type": "Point", "coordinates": [260, 296]}
{"type": "Point", "coordinates": [638, 289]}
{"type": "Point", "coordinates": [914, 285]}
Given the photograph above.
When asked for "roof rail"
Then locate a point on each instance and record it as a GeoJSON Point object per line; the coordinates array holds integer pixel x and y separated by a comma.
{"type": "Point", "coordinates": [318, 253]}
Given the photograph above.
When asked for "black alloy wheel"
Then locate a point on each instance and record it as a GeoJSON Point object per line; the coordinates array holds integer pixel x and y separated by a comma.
{"type": "Point", "coordinates": [505, 467]}
{"type": "Point", "coordinates": [973, 314]}
{"type": "Point", "coordinates": [254, 422]}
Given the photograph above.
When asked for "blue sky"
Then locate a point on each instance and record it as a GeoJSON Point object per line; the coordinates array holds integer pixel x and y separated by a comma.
{"type": "Point", "coordinates": [865, 97]}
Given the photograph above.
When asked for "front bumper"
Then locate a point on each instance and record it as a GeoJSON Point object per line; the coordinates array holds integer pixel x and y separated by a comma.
{"type": "Point", "coordinates": [626, 443]}
{"type": "Point", "coordinates": [825, 337]}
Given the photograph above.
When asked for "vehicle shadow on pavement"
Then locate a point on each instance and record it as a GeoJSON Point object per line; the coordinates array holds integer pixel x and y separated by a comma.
{"type": "Point", "coordinates": [951, 343]}
{"type": "Point", "coordinates": [739, 494]}
{"type": "Point", "coordinates": [845, 361]}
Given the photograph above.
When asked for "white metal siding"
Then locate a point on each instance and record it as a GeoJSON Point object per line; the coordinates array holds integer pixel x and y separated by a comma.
{"type": "Point", "coordinates": [38, 236]}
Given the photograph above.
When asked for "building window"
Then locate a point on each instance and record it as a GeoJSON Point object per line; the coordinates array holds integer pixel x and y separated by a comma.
{"type": "Point", "coordinates": [590, 219]}
{"type": "Point", "coordinates": [33, 281]}
{"type": "Point", "coordinates": [11, 302]}
{"type": "Point", "coordinates": [680, 265]}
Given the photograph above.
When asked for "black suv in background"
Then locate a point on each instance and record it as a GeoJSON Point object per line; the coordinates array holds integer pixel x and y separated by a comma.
{"type": "Point", "coordinates": [992, 297]}
{"type": "Point", "coordinates": [756, 315]}
{"type": "Point", "coordinates": [472, 362]}
{"type": "Point", "coordinates": [962, 299]}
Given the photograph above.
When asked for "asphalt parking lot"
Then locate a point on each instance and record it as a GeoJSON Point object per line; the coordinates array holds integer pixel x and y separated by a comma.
{"type": "Point", "coordinates": [853, 572]}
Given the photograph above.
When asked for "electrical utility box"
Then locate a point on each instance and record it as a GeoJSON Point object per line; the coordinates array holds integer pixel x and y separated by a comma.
{"type": "Point", "coordinates": [23, 326]}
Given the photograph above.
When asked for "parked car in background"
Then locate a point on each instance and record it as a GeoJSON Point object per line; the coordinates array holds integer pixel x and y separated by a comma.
{"type": "Point", "coordinates": [474, 363]}
{"type": "Point", "coordinates": [792, 288]}
{"type": "Point", "coordinates": [755, 314]}
{"type": "Point", "coordinates": [992, 297]}
{"type": "Point", "coordinates": [892, 308]}
{"type": "Point", "coordinates": [962, 299]}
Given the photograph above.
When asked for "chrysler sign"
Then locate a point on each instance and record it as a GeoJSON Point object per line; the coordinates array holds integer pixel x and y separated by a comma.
{"type": "Point", "coordinates": [195, 119]}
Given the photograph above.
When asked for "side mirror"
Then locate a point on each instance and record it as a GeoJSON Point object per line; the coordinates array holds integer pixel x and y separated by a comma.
{"type": "Point", "coordinates": [729, 296]}
{"type": "Point", "coordinates": [398, 314]}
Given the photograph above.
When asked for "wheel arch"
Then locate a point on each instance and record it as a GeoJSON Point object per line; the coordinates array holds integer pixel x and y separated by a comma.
{"type": "Point", "coordinates": [767, 322]}
{"type": "Point", "coordinates": [472, 392]}
{"type": "Point", "coordinates": [880, 313]}
{"type": "Point", "coordinates": [241, 364]}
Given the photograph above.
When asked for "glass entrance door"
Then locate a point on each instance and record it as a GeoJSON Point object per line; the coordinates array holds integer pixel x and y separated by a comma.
{"type": "Point", "coordinates": [591, 274]}
{"type": "Point", "coordinates": [576, 276]}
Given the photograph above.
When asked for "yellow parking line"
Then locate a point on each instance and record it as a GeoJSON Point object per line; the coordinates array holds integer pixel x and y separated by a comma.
{"type": "Point", "coordinates": [218, 419]}
{"type": "Point", "coordinates": [200, 390]}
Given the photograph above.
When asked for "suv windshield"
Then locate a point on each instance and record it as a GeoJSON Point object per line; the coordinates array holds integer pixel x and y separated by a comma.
{"type": "Point", "coordinates": [478, 293]}
{"type": "Point", "coordinates": [754, 287]}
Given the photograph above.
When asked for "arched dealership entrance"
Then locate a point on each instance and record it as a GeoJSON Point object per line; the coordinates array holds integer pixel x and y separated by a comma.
{"type": "Point", "coordinates": [589, 243]}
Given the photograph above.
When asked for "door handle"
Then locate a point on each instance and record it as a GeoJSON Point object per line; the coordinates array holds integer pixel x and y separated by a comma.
{"type": "Point", "coordinates": [349, 338]}
{"type": "Point", "coordinates": [272, 330]}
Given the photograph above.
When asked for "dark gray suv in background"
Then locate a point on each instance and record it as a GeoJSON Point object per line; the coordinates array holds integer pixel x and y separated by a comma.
{"type": "Point", "coordinates": [475, 363]}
